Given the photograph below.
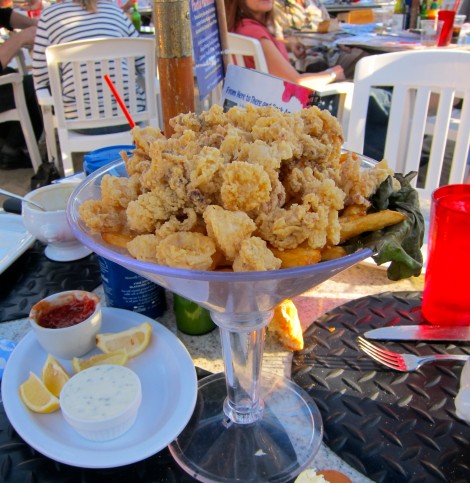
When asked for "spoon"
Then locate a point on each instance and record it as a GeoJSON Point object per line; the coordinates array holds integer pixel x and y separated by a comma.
{"type": "Point", "coordinates": [7, 193]}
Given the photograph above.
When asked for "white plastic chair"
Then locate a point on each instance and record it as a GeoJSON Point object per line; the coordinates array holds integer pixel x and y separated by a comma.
{"type": "Point", "coordinates": [240, 46]}
{"type": "Point", "coordinates": [20, 113]}
{"type": "Point", "coordinates": [97, 57]}
{"type": "Point", "coordinates": [414, 76]}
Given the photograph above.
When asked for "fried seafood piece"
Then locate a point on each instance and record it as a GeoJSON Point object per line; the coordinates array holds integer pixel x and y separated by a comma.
{"type": "Point", "coordinates": [270, 156]}
{"type": "Point", "coordinates": [144, 247]}
{"type": "Point", "coordinates": [119, 192]}
{"type": "Point", "coordinates": [137, 163]}
{"type": "Point", "coordinates": [144, 137]}
{"type": "Point", "coordinates": [245, 118]}
{"type": "Point", "coordinates": [359, 184]}
{"type": "Point", "coordinates": [325, 199]}
{"type": "Point", "coordinates": [234, 142]}
{"type": "Point", "coordinates": [99, 217]}
{"type": "Point", "coordinates": [188, 250]}
{"type": "Point", "coordinates": [167, 170]}
{"type": "Point", "coordinates": [254, 255]}
{"type": "Point", "coordinates": [145, 213]}
{"type": "Point", "coordinates": [322, 124]}
{"type": "Point", "coordinates": [228, 229]}
{"type": "Point", "coordinates": [206, 121]}
{"type": "Point", "coordinates": [287, 228]}
{"type": "Point", "coordinates": [188, 221]}
{"type": "Point", "coordinates": [206, 172]}
{"type": "Point", "coordinates": [245, 186]}
{"type": "Point", "coordinates": [278, 127]}
{"type": "Point", "coordinates": [277, 197]}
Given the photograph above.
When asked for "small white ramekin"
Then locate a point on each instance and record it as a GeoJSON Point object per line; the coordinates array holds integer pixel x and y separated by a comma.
{"type": "Point", "coordinates": [112, 395]}
{"type": "Point", "coordinates": [67, 342]}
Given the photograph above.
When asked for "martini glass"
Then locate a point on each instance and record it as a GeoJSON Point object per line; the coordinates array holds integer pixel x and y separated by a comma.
{"type": "Point", "coordinates": [247, 425]}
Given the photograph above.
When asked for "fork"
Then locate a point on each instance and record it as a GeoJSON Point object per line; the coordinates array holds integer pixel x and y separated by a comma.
{"type": "Point", "coordinates": [402, 362]}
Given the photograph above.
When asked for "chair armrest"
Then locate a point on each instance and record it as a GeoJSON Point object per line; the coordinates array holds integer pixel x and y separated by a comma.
{"type": "Point", "coordinates": [336, 88]}
{"type": "Point", "coordinates": [13, 78]}
{"type": "Point", "coordinates": [44, 97]}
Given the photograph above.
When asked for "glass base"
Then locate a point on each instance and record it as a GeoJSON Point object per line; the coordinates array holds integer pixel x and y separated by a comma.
{"type": "Point", "coordinates": [275, 448]}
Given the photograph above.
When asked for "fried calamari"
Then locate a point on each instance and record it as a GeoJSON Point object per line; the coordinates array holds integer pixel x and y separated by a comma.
{"type": "Point", "coordinates": [235, 189]}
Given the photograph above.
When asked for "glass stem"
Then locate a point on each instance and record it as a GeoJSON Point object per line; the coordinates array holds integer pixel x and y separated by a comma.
{"type": "Point", "coordinates": [243, 355]}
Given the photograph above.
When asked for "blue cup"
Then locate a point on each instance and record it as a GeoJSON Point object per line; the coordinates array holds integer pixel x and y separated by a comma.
{"type": "Point", "coordinates": [99, 157]}
{"type": "Point", "coordinates": [123, 288]}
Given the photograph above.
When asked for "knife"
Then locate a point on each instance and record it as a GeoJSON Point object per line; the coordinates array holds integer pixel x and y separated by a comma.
{"type": "Point", "coordinates": [419, 332]}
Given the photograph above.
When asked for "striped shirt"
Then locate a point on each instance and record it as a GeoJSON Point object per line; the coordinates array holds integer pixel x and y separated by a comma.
{"type": "Point", "coordinates": [67, 22]}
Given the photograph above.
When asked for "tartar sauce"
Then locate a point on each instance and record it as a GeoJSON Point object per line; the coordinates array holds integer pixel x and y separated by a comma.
{"type": "Point", "coordinates": [100, 392]}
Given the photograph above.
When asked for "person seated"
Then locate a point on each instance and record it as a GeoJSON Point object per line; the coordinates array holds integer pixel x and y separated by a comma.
{"type": "Point", "coordinates": [311, 15]}
{"type": "Point", "coordinates": [91, 19]}
{"type": "Point", "coordinates": [14, 153]}
{"type": "Point", "coordinates": [255, 18]}
{"type": "Point", "coordinates": [298, 15]}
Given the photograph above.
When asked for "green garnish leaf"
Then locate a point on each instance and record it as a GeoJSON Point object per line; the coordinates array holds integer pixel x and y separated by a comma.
{"type": "Point", "coordinates": [399, 244]}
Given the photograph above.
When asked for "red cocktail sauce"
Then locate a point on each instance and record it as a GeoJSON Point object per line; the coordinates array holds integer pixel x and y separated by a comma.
{"type": "Point", "coordinates": [71, 313]}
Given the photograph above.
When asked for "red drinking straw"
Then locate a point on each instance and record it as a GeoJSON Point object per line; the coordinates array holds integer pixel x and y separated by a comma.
{"type": "Point", "coordinates": [119, 100]}
{"type": "Point", "coordinates": [456, 5]}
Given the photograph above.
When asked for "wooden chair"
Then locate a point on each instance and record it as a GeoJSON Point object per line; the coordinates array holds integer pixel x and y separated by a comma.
{"type": "Point", "coordinates": [95, 103]}
{"type": "Point", "coordinates": [20, 113]}
{"type": "Point", "coordinates": [418, 79]}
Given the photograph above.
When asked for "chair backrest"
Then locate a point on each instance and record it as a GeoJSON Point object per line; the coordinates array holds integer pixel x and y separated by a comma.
{"type": "Point", "coordinates": [240, 46]}
{"type": "Point", "coordinates": [419, 79]}
{"type": "Point", "coordinates": [85, 63]}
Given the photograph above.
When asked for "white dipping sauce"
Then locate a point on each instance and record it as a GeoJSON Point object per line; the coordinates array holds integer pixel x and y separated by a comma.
{"type": "Point", "coordinates": [100, 392]}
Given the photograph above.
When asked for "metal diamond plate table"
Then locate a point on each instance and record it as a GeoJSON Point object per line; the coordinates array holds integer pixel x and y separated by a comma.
{"type": "Point", "coordinates": [33, 276]}
{"type": "Point", "coordinates": [391, 426]}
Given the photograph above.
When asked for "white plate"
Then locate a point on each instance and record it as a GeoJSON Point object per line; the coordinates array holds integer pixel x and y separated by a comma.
{"type": "Point", "coordinates": [169, 390]}
{"type": "Point", "coordinates": [14, 239]}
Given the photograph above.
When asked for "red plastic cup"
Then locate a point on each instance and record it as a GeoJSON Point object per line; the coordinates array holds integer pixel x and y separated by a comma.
{"type": "Point", "coordinates": [447, 16]}
{"type": "Point", "coordinates": [445, 298]}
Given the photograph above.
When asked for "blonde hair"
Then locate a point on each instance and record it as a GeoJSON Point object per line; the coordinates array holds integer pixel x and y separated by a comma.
{"type": "Point", "coordinates": [88, 5]}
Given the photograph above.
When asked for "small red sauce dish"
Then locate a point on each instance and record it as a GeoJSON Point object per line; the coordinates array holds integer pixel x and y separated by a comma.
{"type": "Point", "coordinates": [66, 323]}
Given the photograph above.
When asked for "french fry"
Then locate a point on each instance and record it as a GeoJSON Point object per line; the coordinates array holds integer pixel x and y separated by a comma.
{"type": "Point", "coordinates": [330, 253]}
{"type": "Point", "coordinates": [297, 257]}
{"type": "Point", "coordinates": [351, 227]}
{"type": "Point", "coordinates": [117, 239]}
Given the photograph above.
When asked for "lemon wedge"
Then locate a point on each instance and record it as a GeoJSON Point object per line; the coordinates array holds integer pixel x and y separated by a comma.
{"type": "Point", "coordinates": [54, 376]}
{"type": "Point", "coordinates": [133, 340]}
{"type": "Point", "coordinates": [118, 357]}
{"type": "Point", "coordinates": [36, 396]}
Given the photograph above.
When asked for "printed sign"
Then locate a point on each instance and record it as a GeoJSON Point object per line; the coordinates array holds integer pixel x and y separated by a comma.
{"type": "Point", "coordinates": [244, 86]}
{"type": "Point", "coordinates": [206, 45]}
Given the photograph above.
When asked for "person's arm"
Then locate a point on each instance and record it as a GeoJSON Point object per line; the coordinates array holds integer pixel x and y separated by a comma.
{"type": "Point", "coordinates": [295, 46]}
{"type": "Point", "coordinates": [280, 67]}
{"type": "Point", "coordinates": [15, 42]}
{"type": "Point", "coordinates": [19, 21]}
{"type": "Point", "coordinates": [129, 4]}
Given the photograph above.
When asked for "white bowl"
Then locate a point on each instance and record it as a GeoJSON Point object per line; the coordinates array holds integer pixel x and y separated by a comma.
{"type": "Point", "coordinates": [67, 342]}
{"type": "Point", "coordinates": [101, 402]}
{"type": "Point", "coordinates": [51, 226]}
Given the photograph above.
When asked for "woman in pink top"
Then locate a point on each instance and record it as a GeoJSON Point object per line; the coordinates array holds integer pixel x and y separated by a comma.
{"type": "Point", "coordinates": [254, 18]}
